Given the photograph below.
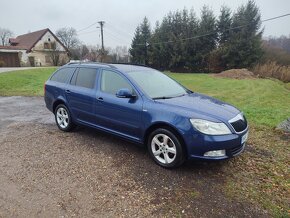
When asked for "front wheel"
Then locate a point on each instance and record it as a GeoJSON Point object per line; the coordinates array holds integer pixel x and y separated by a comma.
{"type": "Point", "coordinates": [63, 118]}
{"type": "Point", "coordinates": [165, 148]}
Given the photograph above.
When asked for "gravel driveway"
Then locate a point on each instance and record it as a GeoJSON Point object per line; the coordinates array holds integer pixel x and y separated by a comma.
{"type": "Point", "coordinates": [86, 173]}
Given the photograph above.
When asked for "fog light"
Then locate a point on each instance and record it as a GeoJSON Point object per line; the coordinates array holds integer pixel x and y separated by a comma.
{"type": "Point", "coordinates": [217, 153]}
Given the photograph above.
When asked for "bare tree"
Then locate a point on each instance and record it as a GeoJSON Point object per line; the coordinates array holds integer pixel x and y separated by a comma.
{"type": "Point", "coordinates": [119, 54]}
{"type": "Point", "coordinates": [5, 34]}
{"type": "Point", "coordinates": [80, 52]}
{"type": "Point", "coordinates": [68, 36]}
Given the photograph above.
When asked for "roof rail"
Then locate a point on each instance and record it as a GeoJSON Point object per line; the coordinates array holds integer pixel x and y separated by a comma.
{"type": "Point", "coordinates": [111, 65]}
{"type": "Point", "coordinates": [134, 64]}
{"type": "Point", "coordinates": [87, 62]}
{"type": "Point", "coordinates": [81, 62]}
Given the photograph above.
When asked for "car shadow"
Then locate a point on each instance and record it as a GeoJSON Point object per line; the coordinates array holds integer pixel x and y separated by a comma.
{"type": "Point", "coordinates": [124, 148]}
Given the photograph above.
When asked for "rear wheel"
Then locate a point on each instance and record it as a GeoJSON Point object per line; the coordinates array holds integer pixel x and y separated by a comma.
{"type": "Point", "coordinates": [165, 148]}
{"type": "Point", "coordinates": [63, 118]}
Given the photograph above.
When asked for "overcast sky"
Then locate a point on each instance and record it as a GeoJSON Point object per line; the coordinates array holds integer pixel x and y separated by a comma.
{"type": "Point", "coordinates": [121, 16]}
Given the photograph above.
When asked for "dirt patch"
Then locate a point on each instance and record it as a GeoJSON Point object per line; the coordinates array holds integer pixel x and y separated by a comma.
{"type": "Point", "coordinates": [236, 74]}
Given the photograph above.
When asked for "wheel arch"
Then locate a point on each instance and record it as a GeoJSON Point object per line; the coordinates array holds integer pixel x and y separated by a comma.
{"type": "Point", "coordinates": [167, 126]}
{"type": "Point", "coordinates": [58, 102]}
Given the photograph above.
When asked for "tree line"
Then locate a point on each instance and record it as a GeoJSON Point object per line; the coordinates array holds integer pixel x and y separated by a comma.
{"type": "Point", "coordinates": [184, 42]}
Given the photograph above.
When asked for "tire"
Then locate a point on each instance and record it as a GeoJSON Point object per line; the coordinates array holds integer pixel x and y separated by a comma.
{"type": "Point", "coordinates": [63, 118]}
{"type": "Point", "coordinates": [165, 148]}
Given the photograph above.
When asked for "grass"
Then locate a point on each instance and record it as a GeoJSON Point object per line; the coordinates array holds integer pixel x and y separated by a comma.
{"type": "Point", "coordinates": [26, 82]}
{"type": "Point", "coordinates": [264, 101]}
{"type": "Point", "coordinates": [260, 175]}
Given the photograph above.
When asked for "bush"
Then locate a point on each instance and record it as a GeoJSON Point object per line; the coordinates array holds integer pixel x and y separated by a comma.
{"type": "Point", "coordinates": [2, 63]}
{"type": "Point", "coordinates": [272, 69]}
{"type": "Point", "coordinates": [271, 53]}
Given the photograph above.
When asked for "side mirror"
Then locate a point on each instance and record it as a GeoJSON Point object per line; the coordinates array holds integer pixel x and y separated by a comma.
{"type": "Point", "coordinates": [125, 93]}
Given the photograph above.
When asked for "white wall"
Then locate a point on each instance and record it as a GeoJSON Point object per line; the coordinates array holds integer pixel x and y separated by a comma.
{"type": "Point", "coordinates": [39, 53]}
{"type": "Point", "coordinates": [45, 38]}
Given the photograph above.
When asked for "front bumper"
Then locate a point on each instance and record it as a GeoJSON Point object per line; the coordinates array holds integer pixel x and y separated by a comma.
{"type": "Point", "coordinates": [199, 144]}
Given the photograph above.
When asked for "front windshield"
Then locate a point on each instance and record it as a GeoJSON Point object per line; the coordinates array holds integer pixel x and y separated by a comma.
{"type": "Point", "coordinates": [157, 85]}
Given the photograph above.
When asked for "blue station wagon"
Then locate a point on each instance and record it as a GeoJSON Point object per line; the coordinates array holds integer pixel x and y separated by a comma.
{"type": "Point", "coordinates": [147, 107]}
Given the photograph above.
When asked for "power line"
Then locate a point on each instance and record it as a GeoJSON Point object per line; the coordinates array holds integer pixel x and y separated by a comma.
{"type": "Point", "coordinates": [116, 38]}
{"type": "Point", "coordinates": [88, 32]}
{"type": "Point", "coordinates": [214, 32]}
{"type": "Point", "coordinates": [123, 32]}
{"type": "Point", "coordinates": [113, 37]}
{"type": "Point", "coordinates": [274, 18]}
{"type": "Point", "coordinates": [87, 27]}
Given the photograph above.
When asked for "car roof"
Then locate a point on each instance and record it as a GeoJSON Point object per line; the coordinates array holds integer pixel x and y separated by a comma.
{"type": "Point", "coordinates": [121, 67]}
{"type": "Point", "coordinates": [130, 67]}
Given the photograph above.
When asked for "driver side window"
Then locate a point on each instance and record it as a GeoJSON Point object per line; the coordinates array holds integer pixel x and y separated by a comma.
{"type": "Point", "coordinates": [111, 82]}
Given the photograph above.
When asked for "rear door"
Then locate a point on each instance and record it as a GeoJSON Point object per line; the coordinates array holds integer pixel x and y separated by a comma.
{"type": "Point", "coordinates": [81, 94]}
{"type": "Point", "coordinates": [122, 115]}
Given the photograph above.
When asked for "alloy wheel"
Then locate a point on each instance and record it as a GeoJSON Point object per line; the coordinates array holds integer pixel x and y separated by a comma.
{"type": "Point", "coordinates": [62, 117]}
{"type": "Point", "coordinates": [163, 148]}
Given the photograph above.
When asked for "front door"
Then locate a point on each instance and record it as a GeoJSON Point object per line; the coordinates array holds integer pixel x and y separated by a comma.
{"type": "Point", "coordinates": [122, 115]}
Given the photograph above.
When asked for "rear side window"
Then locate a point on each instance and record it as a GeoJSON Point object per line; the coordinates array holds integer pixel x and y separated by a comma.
{"type": "Point", "coordinates": [111, 82]}
{"type": "Point", "coordinates": [85, 77]}
{"type": "Point", "coordinates": [62, 75]}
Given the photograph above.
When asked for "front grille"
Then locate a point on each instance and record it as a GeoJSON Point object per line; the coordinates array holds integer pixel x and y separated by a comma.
{"type": "Point", "coordinates": [239, 125]}
{"type": "Point", "coordinates": [236, 150]}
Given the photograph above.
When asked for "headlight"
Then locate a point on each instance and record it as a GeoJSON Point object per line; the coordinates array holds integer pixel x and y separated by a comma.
{"type": "Point", "coordinates": [210, 128]}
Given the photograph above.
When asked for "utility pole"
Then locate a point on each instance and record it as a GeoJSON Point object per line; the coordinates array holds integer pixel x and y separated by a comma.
{"type": "Point", "coordinates": [102, 35]}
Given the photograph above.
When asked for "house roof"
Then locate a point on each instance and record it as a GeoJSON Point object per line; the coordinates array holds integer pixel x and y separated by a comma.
{"type": "Point", "coordinates": [9, 47]}
{"type": "Point", "coordinates": [28, 41]}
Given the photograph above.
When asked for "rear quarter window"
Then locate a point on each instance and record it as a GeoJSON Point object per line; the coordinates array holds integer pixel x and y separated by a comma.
{"type": "Point", "coordinates": [62, 75]}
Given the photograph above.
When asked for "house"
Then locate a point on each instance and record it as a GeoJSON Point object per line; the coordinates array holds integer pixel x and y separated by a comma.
{"type": "Point", "coordinates": [39, 48]}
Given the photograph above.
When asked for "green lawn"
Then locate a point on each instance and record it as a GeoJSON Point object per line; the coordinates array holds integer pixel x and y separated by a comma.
{"type": "Point", "coordinates": [26, 82]}
{"type": "Point", "coordinates": [264, 101]}
{"type": "Point", "coordinates": [260, 175]}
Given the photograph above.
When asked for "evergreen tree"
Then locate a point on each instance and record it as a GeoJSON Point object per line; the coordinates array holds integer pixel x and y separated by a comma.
{"type": "Point", "coordinates": [140, 43]}
{"type": "Point", "coordinates": [136, 50]}
{"type": "Point", "coordinates": [208, 42]}
{"type": "Point", "coordinates": [161, 47]}
{"type": "Point", "coordinates": [182, 42]}
{"type": "Point", "coordinates": [224, 24]}
{"type": "Point", "coordinates": [192, 45]}
{"type": "Point", "coordinates": [218, 57]}
{"type": "Point", "coordinates": [244, 47]}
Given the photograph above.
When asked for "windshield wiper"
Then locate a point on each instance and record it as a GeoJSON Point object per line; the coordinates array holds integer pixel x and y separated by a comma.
{"type": "Point", "coordinates": [168, 97]}
{"type": "Point", "coordinates": [179, 95]}
{"type": "Point", "coordinates": [163, 97]}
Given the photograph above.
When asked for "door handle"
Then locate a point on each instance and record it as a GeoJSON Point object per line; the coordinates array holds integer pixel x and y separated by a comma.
{"type": "Point", "coordinates": [67, 91]}
{"type": "Point", "coordinates": [100, 99]}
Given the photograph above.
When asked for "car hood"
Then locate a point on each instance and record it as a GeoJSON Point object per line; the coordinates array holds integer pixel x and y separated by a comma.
{"type": "Point", "coordinates": [200, 104]}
